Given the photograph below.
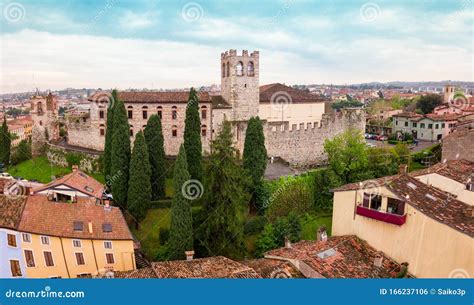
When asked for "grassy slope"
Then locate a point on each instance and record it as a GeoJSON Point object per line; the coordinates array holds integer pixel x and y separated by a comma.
{"type": "Point", "coordinates": [38, 169]}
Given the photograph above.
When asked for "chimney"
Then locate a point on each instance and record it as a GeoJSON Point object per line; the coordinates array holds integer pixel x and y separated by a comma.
{"type": "Point", "coordinates": [322, 234]}
{"type": "Point", "coordinates": [189, 255]}
{"type": "Point", "coordinates": [403, 169]}
{"type": "Point", "coordinates": [90, 227]}
{"type": "Point", "coordinates": [75, 168]}
{"type": "Point", "coordinates": [287, 243]}
{"type": "Point", "coordinates": [378, 259]}
{"type": "Point", "coordinates": [107, 205]}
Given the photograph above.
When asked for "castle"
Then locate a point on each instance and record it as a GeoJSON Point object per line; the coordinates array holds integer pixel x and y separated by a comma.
{"type": "Point", "coordinates": [296, 124]}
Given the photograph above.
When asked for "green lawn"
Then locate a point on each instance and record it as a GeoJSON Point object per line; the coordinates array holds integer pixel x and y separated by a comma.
{"type": "Point", "coordinates": [310, 225]}
{"type": "Point", "coordinates": [38, 169]}
{"type": "Point", "coordinates": [149, 232]}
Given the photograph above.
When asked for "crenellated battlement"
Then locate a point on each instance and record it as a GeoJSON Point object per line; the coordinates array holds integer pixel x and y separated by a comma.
{"type": "Point", "coordinates": [245, 54]}
{"type": "Point", "coordinates": [303, 144]}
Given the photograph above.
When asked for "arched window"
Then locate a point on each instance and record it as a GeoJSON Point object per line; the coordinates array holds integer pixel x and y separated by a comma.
{"type": "Point", "coordinates": [203, 130]}
{"type": "Point", "coordinates": [174, 112]}
{"type": "Point", "coordinates": [174, 131]}
{"type": "Point", "coordinates": [204, 112]}
{"type": "Point", "coordinates": [223, 70]}
{"type": "Point", "coordinates": [130, 112]}
{"type": "Point", "coordinates": [102, 130]}
{"type": "Point", "coordinates": [131, 130]}
{"type": "Point", "coordinates": [239, 68]}
{"type": "Point", "coordinates": [250, 69]}
{"type": "Point", "coordinates": [228, 69]}
{"type": "Point", "coordinates": [160, 112]}
{"type": "Point", "coordinates": [145, 112]}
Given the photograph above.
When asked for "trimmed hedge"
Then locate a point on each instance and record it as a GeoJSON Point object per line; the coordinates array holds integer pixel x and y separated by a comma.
{"type": "Point", "coordinates": [161, 204]}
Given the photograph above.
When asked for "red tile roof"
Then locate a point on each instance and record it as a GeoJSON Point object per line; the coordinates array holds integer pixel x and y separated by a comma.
{"type": "Point", "coordinates": [443, 117]}
{"type": "Point", "coordinates": [274, 268]}
{"type": "Point", "coordinates": [209, 267]}
{"type": "Point", "coordinates": [408, 115]}
{"type": "Point", "coordinates": [153, 97]}
{"type": "Point", "coordinates": [338, 257]}
{"type": "Point", "coordinates": [458, 170]}
{"type": "Point", "coordinates": [41, 216]}
{"type": "Point", "coordinates": [296, 95]}
{"type": "Point", "coordinates": [142, 273]}
{"type": "Point", "coordinates": [79, 181]}
{"type": "Point", "coordinates": [11, 209]}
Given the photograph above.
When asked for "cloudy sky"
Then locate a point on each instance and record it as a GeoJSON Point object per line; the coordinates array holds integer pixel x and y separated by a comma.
{"type": "Point", "coordinates": [173, 44]}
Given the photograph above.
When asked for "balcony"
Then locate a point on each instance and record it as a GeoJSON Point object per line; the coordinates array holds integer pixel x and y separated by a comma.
{"type": "Point", "coordinates": [385, 217]}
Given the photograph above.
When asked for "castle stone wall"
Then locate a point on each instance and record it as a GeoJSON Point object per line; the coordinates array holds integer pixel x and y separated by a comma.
{"type": "Point", "coordinates": [303, 145]}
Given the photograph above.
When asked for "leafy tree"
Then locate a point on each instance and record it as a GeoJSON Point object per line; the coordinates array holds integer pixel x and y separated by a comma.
{"type": "Point", "coordinates": [403, 153]}
{"type": "Point", "coordinates": [5, 143]}
{"type": "Point", "coordinates": [427, 103]}
{"type": "Point", "coordinates": [346, 104]}
{"type": "Point", "coordinates": [22, 152]}
{"type": "Point", "coordinates": [156, 153]}
{"type": "Point", "coordinates": [348, 156]}
{"type": "Point", "coordinates": [139, 186]}
{"type": "Point", "coordinates": [192, 136]}
{"type": "Point", "coordinates": [255, 157]}
{"type": "Point", "coordinates": [225, 199]}
{"type": "Point", "coordinates": [324, 180]}
{"type": "Point", "coordinates": [107, 159]}
{"type": "Point", "coordinates": [383, 161]}
{"type": "Point", "coordinates": [181, 229]}
{"type": "Point", "coordinates": [266, 241]}
{"type": "Point", "coordinates": [120, 156]}
{"type": "Point", "coordinates": [274, 234]}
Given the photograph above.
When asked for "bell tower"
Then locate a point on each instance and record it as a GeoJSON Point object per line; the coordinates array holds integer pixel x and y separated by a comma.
{"type": "Point", "coordinates": [240, 83]}
{"type": "Point", "coordinates": [448, 93]}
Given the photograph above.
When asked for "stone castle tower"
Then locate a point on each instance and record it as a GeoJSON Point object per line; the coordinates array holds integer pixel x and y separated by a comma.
{"type": "Point", "coordinates": [240, 83]}
{"type": "Point", "coordinates": [448, 93]}
{"type": "Point", "coordinates": [44, 113]}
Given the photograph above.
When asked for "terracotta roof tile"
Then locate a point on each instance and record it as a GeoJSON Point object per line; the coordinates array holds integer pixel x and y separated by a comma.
{"type": "Point", "coordinates": [41, 216]}
{"type": "Point", "coordinates": [458, 170]}
{"type": "Point", "coordinates": [79, 181]}
{"type": "Point", "coordinates": [142, 273]}
{"type": "Point", "coordinates": [209, 267]}
{"type": "Point", "coordinates": [10, 211]}
{"type": "Point", "coordinates": [346, 257]}
{"type": "Point", "coordinates": [153, 97]}
{"type": "Point", "coordinates": [274, 268]}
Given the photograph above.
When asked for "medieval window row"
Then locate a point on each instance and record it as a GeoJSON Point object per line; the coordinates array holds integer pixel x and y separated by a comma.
{"type": "Point", "coordinates": [239, 69]}
{"type": "Point", "coordinates": [174, 112]}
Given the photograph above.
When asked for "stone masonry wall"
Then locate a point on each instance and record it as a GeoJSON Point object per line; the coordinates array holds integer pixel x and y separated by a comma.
{"type": "Point", "coordinates": [303, 145]}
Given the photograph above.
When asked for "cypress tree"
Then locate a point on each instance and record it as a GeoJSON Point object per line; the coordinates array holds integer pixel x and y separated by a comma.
{"type": "Point", "coordinates": [255, 157]}
{"type": "Point", "coordinates": [107, 162]}
{"type": "Point", "coordinates": [5, 143]}
{"type": "Point", "coordinates": [139, 186]}
{"type": "Point", "coordinates": [120, 156]}
{"type": "Point", "coordinates": [156, 153]}
{"type": "Point", "coordinates": [192, 136]}
{"type": "Point", "coordinates": [181, 229]}
{"type": "Point", "coordinates": [225, 200]}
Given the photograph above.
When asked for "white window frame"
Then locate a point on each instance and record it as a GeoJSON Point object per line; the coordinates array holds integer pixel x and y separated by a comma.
{"type": "Point", "coordinates": [46, 238]}
{"type": "Point", "coordinates": [34, 258]}
{"type": "Point", "coordinates": [111, 244]}
{"type": "Point", "coordinates": [113, 257]}
{"type": "Point", "coordinates": [52, 257]}
{"type": "Point", "coordinates": [23, 237]}
{"type": "Point", "coordinates": [78, 240]}
{"type": "Point", "coordinates": [16, 241]}
{"type": "Point", "coordinates": [83, 257]}
{"type": "Point", "coordinates": [19, 264]}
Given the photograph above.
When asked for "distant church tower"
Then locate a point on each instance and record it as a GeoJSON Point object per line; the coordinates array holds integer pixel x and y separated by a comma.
{"type": "Point", "coordinates": [240, 84]}
{"type": "Point", "coordinates": [44, 113]}
{"type": "Point", "coordinates": [448, 93]}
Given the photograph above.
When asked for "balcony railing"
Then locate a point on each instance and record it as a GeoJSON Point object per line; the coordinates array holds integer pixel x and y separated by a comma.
{"type": "Point", "coordinates": [385, 217]}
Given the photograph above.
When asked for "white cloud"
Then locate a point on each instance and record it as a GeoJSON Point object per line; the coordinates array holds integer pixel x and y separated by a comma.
{"type": "Point", "coordinates": [132, 21]}
{"type": "Point", "coordinates": [31, 59]}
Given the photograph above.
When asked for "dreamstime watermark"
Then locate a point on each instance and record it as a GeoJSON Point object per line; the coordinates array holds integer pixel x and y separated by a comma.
{"type": "Point", "coordinates": [459, 274]}
{"type": "Point", "coordinates": [46, 293]}
{"type": "Point", "coordinates": [369, 12]}
{"type": "Point", "coordinates": [280, 100]}
{"type": "Point", "coordinates": [192, 12]}
{"type": "Point", "coordinates": [373, 187]}
{"type": "Point", "coordinates": [98, 16]}
{"type": "Point", "coordinates": [14, 12]}
{"type": "Point", "coordinates": [459, 100]}
{"type": "Point", "coordinates": [283, 9]}
{"type": "Point", "coordinates": [192, 189]}
{"type": "Point", "coordinates": [15, 190]}
{"type": "Point", "coordinates": [101, 98]}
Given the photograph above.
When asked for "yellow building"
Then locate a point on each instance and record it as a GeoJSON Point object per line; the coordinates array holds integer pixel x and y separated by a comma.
{"type": "Point", "coordinates": [414, 219]}
{"type": "Point", "coordinates": [70, 240]}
